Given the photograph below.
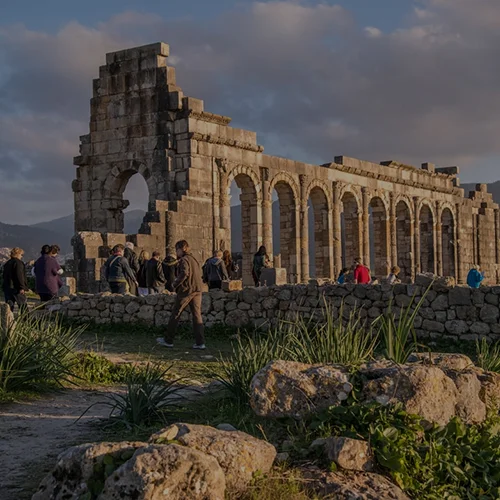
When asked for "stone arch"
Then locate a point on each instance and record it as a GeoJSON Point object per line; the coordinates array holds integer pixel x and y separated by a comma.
{"type": "Point", "coordinates": [288, 203]}
{"type": "Point", "coordinates": [318, 194]}
{"type": "Point", "coordinates": [351, 226]}
{"type": "Point", "coordinates": [426, 221]}
{"type": "Point", "coordinates": [251, 216]}
{"type": "Point", "coordinates": [379, 236]}
{"type": "Point", "coordinates": [114, 187]}
{"type": "Point", "coordinates": [448, 242]}
{"type": "Point", "coordinates": [404, 238]}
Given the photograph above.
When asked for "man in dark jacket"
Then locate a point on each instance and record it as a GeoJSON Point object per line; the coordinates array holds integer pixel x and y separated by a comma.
{"type": "Point", "coordinates": [155, 279]}
{"type": "Point", "coordinates": [188, 286]}
{"type": "Point", "coordinates": [117, 271]}
{"type": "Point", "coordinates": [214, 271]}
{"type": "Point", "coordinates": [15, 284]}
{"type": "Point", "coordinates": [133, 262]}
{"type": "Point", "coordinates": [48, 274]}
{"type": "Point", "coordinates": [170, 271]}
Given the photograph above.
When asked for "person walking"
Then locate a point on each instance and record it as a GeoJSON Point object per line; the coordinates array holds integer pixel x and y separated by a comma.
{"type": "Point", "coordinates": [15, 284]}
{"type": "Point", "coordinates": [260, 261]}
{"type": "Point", "coordinates": [231, 266]}
{"type": "Point", "coordinates": [48, 273]}
{"type": "Point", "coordinates": [361, 273]}
{"type": "Point", "coordinates": [141, 275]}
{"type": "Point", "coordinates": [170, 271]}
{"type": "Point", "coordinates": [475, 277]}
{"type": "Point", "coordinates": [155, 279]}
{"type": "Point", "coordinates": [188, 286]}
{"type": "Point", "coordinates": [133, 262]}
{"type": "Point", "coordinates": [214, 271]}
{"type": "Point", "coordinates": [117, 271]}
{"type": "Point", "coordinates": [392, 278]}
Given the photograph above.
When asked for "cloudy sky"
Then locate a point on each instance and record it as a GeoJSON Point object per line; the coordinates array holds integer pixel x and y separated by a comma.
{"type": "Point", "coordinates": [413, 81]}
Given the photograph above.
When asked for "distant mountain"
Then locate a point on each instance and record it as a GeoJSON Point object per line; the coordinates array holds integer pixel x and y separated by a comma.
{"type": "Point", "coordinates": [493, 188]}
{"type": "Point", "coordinates": [58, 231]}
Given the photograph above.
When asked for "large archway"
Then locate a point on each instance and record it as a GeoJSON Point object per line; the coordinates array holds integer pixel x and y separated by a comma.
{"type": "Point", "coordinates": [379, 244]}
{"type": "Point", "coordinates": [318, 203]}
{"type": "Point", "coordinates": [136, 194]}
{"type": "Point", "coordinates": [351, 248]}
{"type": "Point", "coordinates": [245, 223]}
{"type": "Point", "coordinates": [285, 230]}
{"type": "Point", "coordinates": [426, 220]}
{"type": "Point", "coordinates": [403, 239]}
{"type": "Point", "coordinates": [448, 242]}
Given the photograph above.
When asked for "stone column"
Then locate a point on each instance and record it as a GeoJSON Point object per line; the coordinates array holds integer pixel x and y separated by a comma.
{"type": "Point", "coordinates": [304, 230]}
{"type": "Point", "coordinates": [331, 264]}
{"type": "Point", "coordinates": [438, 242]}
{"type": "Point", "coordinates": [267, 212]}
{"type": "Point", "coordinates": [393, 232]}
{"type": "Point", "coordinates": [366, 227]}
{"type": "Point", "coordinates": [497, 244]}
{"type": "Point", "coordinates": [337, 229]}
{"type": "Point", "coordinates": [458, 245]}
{"type": "Point", "coordinates": [416, 230]}
{"type": "Point", "coordinates": [225, 212]}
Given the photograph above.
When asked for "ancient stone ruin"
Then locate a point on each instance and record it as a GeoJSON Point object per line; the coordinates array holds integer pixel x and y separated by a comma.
{"type": "Point", "coordinates": [141, 123]}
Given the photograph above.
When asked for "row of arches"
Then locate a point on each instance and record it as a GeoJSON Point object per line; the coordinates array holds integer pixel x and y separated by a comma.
{"type": "Point", "coordinates": [433, 250]}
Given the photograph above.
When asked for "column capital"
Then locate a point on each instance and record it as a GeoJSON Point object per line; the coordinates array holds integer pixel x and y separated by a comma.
{"type": "Point", "coordinates": [264, 174]}
{"type": "Point", "coordinates": [303, 179]}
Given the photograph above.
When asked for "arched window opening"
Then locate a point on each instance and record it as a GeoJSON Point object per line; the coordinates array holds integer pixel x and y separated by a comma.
{"type": "Point", "coordinates": [136, 199]}
{"type": "Point", "coordinates": [350, 230]}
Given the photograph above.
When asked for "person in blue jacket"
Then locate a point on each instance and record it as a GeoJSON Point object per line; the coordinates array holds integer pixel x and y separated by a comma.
{"type": "Point", "coordinates": [475, 277]}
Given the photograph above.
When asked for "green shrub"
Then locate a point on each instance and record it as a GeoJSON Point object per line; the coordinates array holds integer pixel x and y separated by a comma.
{"type": "Point", "coordinates": [398, 334]}
{"type": "Point", "coordinates": [488, 355]}
{"type": "Point", "coordinates": [36, 353]}
{"type": "Point", "coordinates": [149, 398]}
{"type": "Point", "coordinates": [94, 368]}
{"type": "Point", "coordinates": [346, 341]}
{"type": "Point", "coordinates": [455, 461]}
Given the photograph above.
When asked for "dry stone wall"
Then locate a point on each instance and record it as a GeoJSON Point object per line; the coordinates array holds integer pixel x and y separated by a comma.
{"type": "Point", "coordinates": [455, 312]}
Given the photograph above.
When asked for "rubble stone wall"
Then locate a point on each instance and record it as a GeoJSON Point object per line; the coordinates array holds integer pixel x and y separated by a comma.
{"type": "Point", "coordinates": [455, 312]}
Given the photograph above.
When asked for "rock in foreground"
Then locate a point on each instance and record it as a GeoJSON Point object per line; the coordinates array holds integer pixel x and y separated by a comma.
{"type": "Point", "coordinates": [240, 455]}
{"type": "Point", "coordinates": [289, 389]}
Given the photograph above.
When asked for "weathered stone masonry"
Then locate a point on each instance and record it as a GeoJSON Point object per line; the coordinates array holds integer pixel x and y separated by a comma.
{"type": "Point", "coordinates": [141, 122]}
{"type": "Point", "coordinates": [457, 312]}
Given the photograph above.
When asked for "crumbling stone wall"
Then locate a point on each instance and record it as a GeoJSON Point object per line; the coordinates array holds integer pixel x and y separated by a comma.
{"type": "Point", "coordinates": [455, 312]}
{"type": "Point", "coordinates": [142, 124]}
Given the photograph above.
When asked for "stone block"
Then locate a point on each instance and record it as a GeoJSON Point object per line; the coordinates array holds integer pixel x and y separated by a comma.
{"type": "Point", "coordinates": [273, 276]}
{"type": "Point", "coordinates": [232, 286]}
{"type": "Point", "coordinates": [459, 296]}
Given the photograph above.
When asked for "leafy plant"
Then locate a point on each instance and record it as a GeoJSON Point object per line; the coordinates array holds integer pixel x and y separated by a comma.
{"type": "Point", "coordinates": [36, 352]}
{"type": "Point", "coordinates": [398, 334]}
{"type": "Point", "coordinates": [250, 354]}
{"type": "Point", "coordinates": [453, 461]}
{"type": "Point", "coordinates": [488, 355]}
{"type": "Point", "coordinates": [343, 341]}
{"type": "Point", "coordinates": [149, 397]}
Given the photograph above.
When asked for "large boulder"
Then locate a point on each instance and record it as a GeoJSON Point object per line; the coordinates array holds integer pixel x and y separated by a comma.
{"type": "Point", "coordinates": [423, 390]}
{"type": "Point", "coordinates": [158, 472]}
{"type": "Point", "coordinates": [82, 470]}
{"type": "Point", "coordinates": [239, 455]}
{"type": "Point", "coordinates": [290, 389]}
{"type": "Point", "coordinates": [469, 406]}
{"type": "Point", "coordinates": [352, 486]}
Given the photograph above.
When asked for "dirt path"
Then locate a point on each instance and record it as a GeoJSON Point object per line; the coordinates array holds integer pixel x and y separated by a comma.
{"type": "Point", "coordinates": [33, 433]}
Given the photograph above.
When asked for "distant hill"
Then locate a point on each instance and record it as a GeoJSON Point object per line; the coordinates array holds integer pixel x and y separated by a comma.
{"type": "Point", "coordinates": [493, 188]}
{"type": "Point", "coordinates": [58, 231]}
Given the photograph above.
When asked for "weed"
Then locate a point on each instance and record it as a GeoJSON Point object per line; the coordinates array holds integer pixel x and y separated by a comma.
{"type": "Point", "coordinates": [149, 398]}
{"type": "Point", "coordinates": [488, 355]}
{"type": "Point", "coordinates": [331, 341]}
{"type": "Point", "coordinates": [398, 335]}
{"type": "Point", "coordinates": [36, 353]}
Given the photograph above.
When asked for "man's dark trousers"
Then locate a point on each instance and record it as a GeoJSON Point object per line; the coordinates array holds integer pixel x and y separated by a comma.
{"type": "Point", "coordinates": [193, 300]}
{"type": "Point", "coordinates": [13, 297]}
